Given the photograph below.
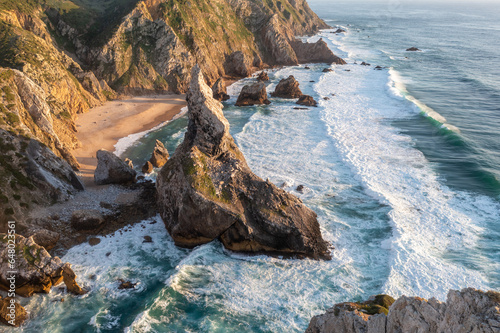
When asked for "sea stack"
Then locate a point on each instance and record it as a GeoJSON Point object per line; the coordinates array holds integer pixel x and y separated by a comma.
{"type": "Point", "coordinates": [287, 88]}
{"type": "Point", "coordinates": [206, 191]}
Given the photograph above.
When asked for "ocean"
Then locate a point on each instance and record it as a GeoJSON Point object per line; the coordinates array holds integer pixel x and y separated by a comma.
{"type": "Point", "coordinates": [402, 166]}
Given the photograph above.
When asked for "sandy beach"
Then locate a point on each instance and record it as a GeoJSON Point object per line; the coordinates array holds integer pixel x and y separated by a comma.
{"type": "Point", "coordinates": [103, 126]}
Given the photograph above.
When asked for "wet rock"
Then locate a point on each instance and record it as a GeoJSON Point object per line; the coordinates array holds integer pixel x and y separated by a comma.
{"type": "Point", "coordinates": [160, 155]}
{"type": "Point", "coordinates": [307, 101]}
{"type": "Point", "coordinates": [326, 70]}
{"type": "Point", "coordinates": [94, 241]}
{"type": "Point", "coordinates": [365, 64]}
{"type": "Point", "coordinates": [339, 31]}
{"type": "Point", "coordinates": [287, 88]}
{"type": "Point", "coordinates": [11, 312]}
{"type": "Point", "coordinates": [147, 239]}
{"type": "Point", "coordinates": [37, 270]}
{"type": "Point", "coordinates": [326, 98]}
{"type": "Point", "coordinates": [378, 68]}
{"type": "Point", "coordinates": [87, 220]}
{"type": "Point", "coordinates": [263, 76]}
{"type": "Point", "coordinates": [126, 284]}
{"type": "Point", "coordinates": [206, 191]}
{"type": "Point", "coordinates": [219, 90]}
{"type": "Point", "coordinates": [112, 170]}
{"type": "Point", "coordinates": [412, 49]}
{"type": "Point", "coordinates": [147, 167]}
{"type": "Point", "coordinates": [307, 67]}
{"type": "Point", "coordinates": [69, 278]}
{"type": "Point", "coordinates": [469, 310]}
{"type": "Point", "coordinates": [317, 52]}
{"type": "Point", "coordinates": [298, 108]}
{"type": "Point", "coordinates": [300, 188]}
{"type": "Point", "coordinates": [46, 238]}
{"type": "Point", "coordinates": [253, 94]}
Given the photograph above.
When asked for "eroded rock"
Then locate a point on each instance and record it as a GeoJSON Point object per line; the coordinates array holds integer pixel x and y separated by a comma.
{"type": "Point", "coordinates": [160, 155]}
{"type": "Point", "coordinates": [253, 94]}
{"type": "Point", "coordinates": [112, 170]}
{"type": "Point", "coordinates": [307, 101]}
{"type": "Point", "coordinates": [287, 88]}
{"type": "Point", "coordinates": [46, 238]}
{"type": "Point", "coordinates": [11, 312]}
{"type": "Point", "coordinates": [206, 191]}
{"type": "Point", "coordinates": [219, 90]}
{"type": "Point", "coordinates": [317, 52]}
{"type": "Point", "coordinates": [263, 76]}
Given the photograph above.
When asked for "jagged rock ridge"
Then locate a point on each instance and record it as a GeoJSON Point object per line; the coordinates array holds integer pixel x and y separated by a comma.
{"type": "Point", "coordinates": [206, 191]}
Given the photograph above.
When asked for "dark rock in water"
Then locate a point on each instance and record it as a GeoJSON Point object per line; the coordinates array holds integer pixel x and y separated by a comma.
{"type": "Point", "coordinates": [147, 167]}
{"type": "Point", "coordinates": [412, 49]}
{"type": "Point", "coordinates": [128, 161]}
{"type": "Point", "coordinates": [307, 101]}
{"type": "Point", "coordinates": [46, 238]}
{"type": "Point", "coordinates": [347, 70]}
{"type": "Point", "coordinates": [326, 98]}
{"type": "Point", "coordinates": [126, 284]}
{"type": "Point", "coordinates": [326, 70]}
{"type": "Point", "coordinates": [263, 76]}
{"type": "Point", "coordinates": [365, 64]}
{"type": "Point", "coordinates": [378, 68]}
{"type": "Point", "coordinates": [11, 312]}
{"type": "Point", "coordinates": [469, 310]}
{"type": "Point", "coordinates": [37, 270]}
{"type": "Point", "coordinates": [94, 241]}
{"type": "Point", "coordinates": [206, 191]}
{"type": "Point", "coordinates": [86, 219]}
{"type": "Point", "coordinates": [159, 156]}
{"type": "Point", "coordinates": [307, 67]}
{"type": "Point", "coordinates": [238, 64]}
{"type": "Point", "coordinates": [147, 239]}
{"type": "Point", "coordinates": [318, 52]}
{"type": "Point", "coordinates": [112, 170]}
{"type": "Point", "coordinates": [339, 31]}
{"type": "Point", "coordinates": [312, 81]}
{"type": "Point", "coordinates": [300, 188]}
{"type": "Point", "coordinates": [141, 177]}
{"type": "Point", "coordinates": [287, 88]}
{"type": "Point", "coordinates": [219, 90]}
{"type": "Point", "coordinates": [253, 94]}
{"type": "Point", "coordinates": [298, 108]}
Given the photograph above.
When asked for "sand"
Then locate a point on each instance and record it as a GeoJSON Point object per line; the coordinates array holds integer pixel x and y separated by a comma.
{"type": "Point", "coordinates": [103, 126]}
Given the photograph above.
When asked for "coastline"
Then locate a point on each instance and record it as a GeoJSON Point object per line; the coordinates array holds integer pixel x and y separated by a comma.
{"type": "Point", "coordinates": [102, 127]}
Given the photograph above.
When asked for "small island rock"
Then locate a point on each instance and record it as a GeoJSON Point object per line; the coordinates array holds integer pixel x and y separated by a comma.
{"type": "Point", "coordinates": [253, 94]}
{"type": "Point", "coordinates": [287, 88]}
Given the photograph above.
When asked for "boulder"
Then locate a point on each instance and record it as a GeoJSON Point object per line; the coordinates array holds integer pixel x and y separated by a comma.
{"type": "Point", "coordinates": [220, 91]}
{"type": "Point", "coordinates": [126, 284]}
{"type": "Point", "coordinates": [112, 170]}
{"type": "Point", "coordinates": [206, 191]}
{"type": "Point", "coordinates": [238, 64]}
{"type": "Point", "coordinates": [326, 70]}
{"type": "Point", "coordinates": [317, 52]}
{"type": "Point", "coordinates": [253, 94]}
{"type": "Point", "coordinates": [412, 49]}
{"type": "Point", "coordinates": [263, 76]}
{"type": "Point", "coordinates": [365, 64]}
{"type": "Point", "coordinates": [307, 101]}
{"type": "Point", "coordinates": [87, 220]}
{"type": "Point", "coordinates": [287, 88]}
{"type": "Point", "coordinates": [160, 155]}
{"type": "Point", "coordinates": [147, 167]}
{"type": "Point", "coordinates": [11, 312]}
{"type": "Point", "coordinates": [37, 270]}
{"type": "Point", "coordinates": [46, 238]}
{"type": "Point", "coordinates": [339, 31]}
{"type": "Point", "coordinates": [469, 310]}
{"type": "Point", "coordinates": [128, 161]}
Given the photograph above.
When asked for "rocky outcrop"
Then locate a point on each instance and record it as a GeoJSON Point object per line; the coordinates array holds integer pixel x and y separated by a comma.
{"type": "Point", "coordinates": [147, 167]}
{"type": "Point", "coordinates": [206, 191]}
{"type": "Point", "coordinates": [46, 238]}
{"type": "Point", "coordinates": [263, 76]}
{"type": "Point", "coordinates": [253, 94]}
{"type": "Point", "coordinates": [112, 170]}
{"type": "Point", "coordinates": [412, 49]}
{"type": "Point", "coordinates": [87, 220]}
{"type": "Point", "coordinates": [469, 310]}
{"type": "Point", "coordinates": [277, 43]}
{"type": "Point", "coordinates": [36, 270]}
{"type": "Point", "coordinates": [307, 101]}
{"type": "Point", "coordinates": [219, 90]}
{"type": "Point", "coordinates": [317, 52]}
{"type": "Point", "coordinates": [159, 156]}
{"type": "Point", "coordinates": [238, 64]}
{"type": "Point", "coordinates": [287, 88]}
{"type": "Point", "coordinates": [11, 312]}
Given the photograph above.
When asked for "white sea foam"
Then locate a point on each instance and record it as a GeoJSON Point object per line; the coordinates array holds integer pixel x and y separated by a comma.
{"type": "Point", "coordinates": [124, 143]}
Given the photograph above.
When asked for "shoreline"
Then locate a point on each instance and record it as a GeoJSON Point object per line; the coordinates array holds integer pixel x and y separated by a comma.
{"type": "Point", "coordinates": [103, 126]}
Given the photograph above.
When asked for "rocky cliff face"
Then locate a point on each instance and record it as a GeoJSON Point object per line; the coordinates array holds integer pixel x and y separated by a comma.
{"type": "Point", "coordinates": [206, 191]}
{"type": "Point", "coordinates": [469, 310]}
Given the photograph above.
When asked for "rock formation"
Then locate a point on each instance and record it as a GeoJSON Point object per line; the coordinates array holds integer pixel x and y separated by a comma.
{"type": "Point", "coordinates": [87, 220]}
{"type": "Point", "coordinates": [287, 88]}
{"type": "Point", "coordinates": [469, 310]}
{"type": "Point", "coordinates": [11, 312]}
{"type": "Point", "coordinates": [219, 90]}
{"type": "Point", "coordinates": [112, 170]}
{"type": "Point", "coordinates": [263, 76]}
{"type": "Point", "coordinates": [37, 270]}
{"type": "Point", "coordinates": [238, 64]}
{"type": "Point", "coordinates": [307, 101]}
{"type": "Point", "coordinates": [315, 53]}
{"type": "Point", "coordinates": [46, 238]}
{"type": "Point", "coordinates": [159, 156]}
{"type": "Point", "coordinates": [412, 49]}
{"type": "Point", "coordinates": [206, 191]}
{"type": "Point", "coordinates": [253, 94]}
{"type": "Point", "coordinates": [147, 167]}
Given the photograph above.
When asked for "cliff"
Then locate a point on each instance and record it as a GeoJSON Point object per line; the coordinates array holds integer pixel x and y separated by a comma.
{"type": "Point", "coordinates": [469, 310]}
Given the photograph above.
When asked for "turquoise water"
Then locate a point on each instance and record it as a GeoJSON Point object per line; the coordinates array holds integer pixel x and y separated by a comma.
{"type": "Point", "coordinates": [401, 166]}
